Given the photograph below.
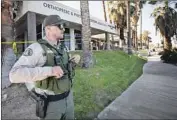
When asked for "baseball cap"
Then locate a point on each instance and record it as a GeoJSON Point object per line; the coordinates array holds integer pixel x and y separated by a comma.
{"type": "Point", "coordinates": [52, 20]}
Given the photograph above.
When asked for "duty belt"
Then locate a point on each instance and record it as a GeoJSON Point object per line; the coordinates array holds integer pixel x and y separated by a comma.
{"type": "Point", "coordinates": [58, 97]}
{"type": "Point", "coordinates": [42, 101]}
{"type": "Point", "coordinates": [50, 98]}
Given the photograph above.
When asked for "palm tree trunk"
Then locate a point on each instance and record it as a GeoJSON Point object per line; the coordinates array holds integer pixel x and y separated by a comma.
{"type": "Point", "coordinates": [141, 29]}
{"type": "Point", "coordinates": [106, 34]}
{"type": "Point", "coordinates": [136, 39]}
{"type": "Point", "coordinates": [122, 40]}
{"type": "Point", "coordinates": [128, 27]}
{"type": "Point", "coordinates": [167, 40]}
{"type": "Point", "coordinates": [86, 33]}
{"type": "Point", "coordinates": [8, 56]}
{"type": "Point", "coordinates": [167, 44]}
{"type": "Point", "coordinates": [133, 38]}
{"type": "Point", "coordinates": [136, 33]}
{"type": "Point", "coordinates": [107, 37]}
{"type": "Point", "coordinates": [104, 10]}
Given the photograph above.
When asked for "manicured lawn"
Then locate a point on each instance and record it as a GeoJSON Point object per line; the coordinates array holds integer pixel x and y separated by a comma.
{"type": "Point", "coordinates": [96, 87]}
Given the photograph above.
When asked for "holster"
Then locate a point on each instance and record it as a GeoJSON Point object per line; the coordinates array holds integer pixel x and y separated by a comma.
{"type": "Point", "coordinates": [41, 104]}
{"type": "Point", "coordinates": [42, 101]}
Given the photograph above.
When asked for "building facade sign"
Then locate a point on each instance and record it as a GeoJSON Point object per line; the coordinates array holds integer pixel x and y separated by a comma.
{"type": "Point", "coordinates": [66, 13]}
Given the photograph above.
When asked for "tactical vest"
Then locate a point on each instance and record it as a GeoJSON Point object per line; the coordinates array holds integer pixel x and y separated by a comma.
{"type": "Point", "coordinates": [56, 57]}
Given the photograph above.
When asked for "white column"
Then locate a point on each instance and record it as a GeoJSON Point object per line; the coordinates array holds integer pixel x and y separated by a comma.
{"type": "Point", "coordinates": [26, 39]}
{"type": "Point", "coordinates": [31, 26]}
{"type": "Point", "coordinates": [43, 32]}
{"type": "Point", "coordinates": [72, 39]}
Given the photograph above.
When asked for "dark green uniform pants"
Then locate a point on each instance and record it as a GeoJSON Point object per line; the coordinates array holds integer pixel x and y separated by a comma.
{"type": "Point", "coordinates": [62, 109]}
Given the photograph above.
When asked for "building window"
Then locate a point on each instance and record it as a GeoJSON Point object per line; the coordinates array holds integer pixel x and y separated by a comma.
{"type": "Point", "coordinates": [78, 43]}
{"type": "Point", "coordinates": [67, 38]}
{"type": "Point", "coordinates": [39, 31]}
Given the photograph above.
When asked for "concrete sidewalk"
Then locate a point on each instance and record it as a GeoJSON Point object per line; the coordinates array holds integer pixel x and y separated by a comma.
{"type": "Point", "coordinates": [152, 96]}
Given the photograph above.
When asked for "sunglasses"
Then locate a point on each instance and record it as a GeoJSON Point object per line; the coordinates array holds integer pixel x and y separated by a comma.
{"type": "Point", "coordinates": [61, 27]}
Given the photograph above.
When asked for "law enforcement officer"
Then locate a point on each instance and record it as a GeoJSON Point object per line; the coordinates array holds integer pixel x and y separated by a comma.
{"type": "Point", "coordinates": [44, 68]}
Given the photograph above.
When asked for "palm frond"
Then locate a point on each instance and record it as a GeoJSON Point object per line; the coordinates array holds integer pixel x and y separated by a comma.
{"type": "Point", "coordinates": [141, 3]}
{"type": "Point", "coordinates": [157, 11]}
{"type": "Point", "coordinates": [165, 20]}
{"type": "Point", "coordinates": [153, 2]}
{"type": "Point", "coordinates": [132, 10]}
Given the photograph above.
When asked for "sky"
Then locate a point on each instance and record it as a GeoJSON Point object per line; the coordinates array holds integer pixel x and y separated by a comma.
{"type": "Point", "coordinates": [96, 10]}
{"type": "Point", "coordinates": [148, 23]}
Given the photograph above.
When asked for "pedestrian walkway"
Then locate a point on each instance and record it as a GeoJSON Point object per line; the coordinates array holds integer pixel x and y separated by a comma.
{"type": "Point", "coordinates": [152, 96]}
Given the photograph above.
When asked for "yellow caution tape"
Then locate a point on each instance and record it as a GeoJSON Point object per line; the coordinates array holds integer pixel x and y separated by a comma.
{"type": "Point", "coordinates": [22, 42]}
{"type": "Point", "coordinates": [19, 42]}
{"type": "Point", "coordinates": [14, 46]}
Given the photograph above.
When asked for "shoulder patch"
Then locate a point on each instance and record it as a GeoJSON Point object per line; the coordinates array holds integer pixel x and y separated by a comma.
{"type": "Point", "coordinates": [28, 52]}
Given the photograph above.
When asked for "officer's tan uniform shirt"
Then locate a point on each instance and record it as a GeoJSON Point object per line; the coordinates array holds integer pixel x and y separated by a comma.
{"type": "Point", "coordinates": [28, 68]}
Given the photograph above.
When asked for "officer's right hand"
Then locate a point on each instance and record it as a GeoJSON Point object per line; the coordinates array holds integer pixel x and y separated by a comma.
{"type": "Point", "coordinates": [57, 72]}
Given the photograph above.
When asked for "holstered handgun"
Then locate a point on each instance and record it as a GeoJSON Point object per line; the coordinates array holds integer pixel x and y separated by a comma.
{"type": "Point", "coordinates": [41, 104]}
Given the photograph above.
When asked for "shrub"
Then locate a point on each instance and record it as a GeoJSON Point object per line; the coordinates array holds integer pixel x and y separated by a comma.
{"type": "Point", "coordinates": [170, 56]}
{"type": "Point", "coordinates": [161, 53]}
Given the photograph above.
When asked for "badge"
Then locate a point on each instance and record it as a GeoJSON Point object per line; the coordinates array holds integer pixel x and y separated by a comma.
{"type": "Point", "coordinates": [28, 52]}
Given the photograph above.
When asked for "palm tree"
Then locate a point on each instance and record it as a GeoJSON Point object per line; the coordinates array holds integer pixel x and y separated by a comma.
{"type": "Point", "coordinates": [86, 33]}
{"type": "Point", "coordinates": [104, 10]}
{"type": "Point", "coordinates": [8, 56]}
{"type": "Point", "coordinates": [141, 3]}
{"type": "Point", "coordinates": [166, 23]}
{"type": "Point", "coordinates": [145, 37]}
{"type": "Point", "coordinates": [134, 21]}
{"type": "Point", "coordinates": [118, 15]}
{"type": "Point", "coordinates": [141, 17]}
{"type": "Point", "coordinates": [154, 2]}
{"type": "Point", "coordinates": [128, 27]}
{"type": "Point", "coordinates": [106, 34]}
{"type": "Point", "coordinates": [109, 6]}
{"type": "Point", "coordinates": [136, 9]}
